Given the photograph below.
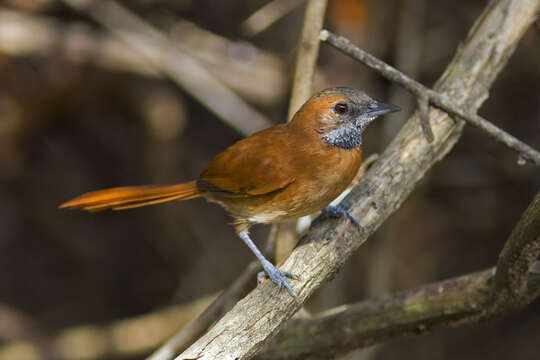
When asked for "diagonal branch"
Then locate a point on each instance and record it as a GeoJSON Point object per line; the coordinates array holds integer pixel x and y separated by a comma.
{"type": "Point", "coordinates": [514, 283]}
{"type": "Point", "coordinates": [260, 78]}
{"type": "Point", "coordinates": [424, 94]}
{"type": "Point", "coordinates": [166, 57]}
{"type": "Point", "coordinates": [335, 332]}
{"type": "Point", "coordinates": [263, 18]}
{"type": "Point", "coordinates": [244, 330]}
{"type": "Point", "coordinates": [516, 260]}
{"type": "Point", "coordinates": [188, 334]}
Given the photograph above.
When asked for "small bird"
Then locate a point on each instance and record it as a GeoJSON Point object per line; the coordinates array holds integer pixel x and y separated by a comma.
{"type": "Point", "coordinates": [283, 172]}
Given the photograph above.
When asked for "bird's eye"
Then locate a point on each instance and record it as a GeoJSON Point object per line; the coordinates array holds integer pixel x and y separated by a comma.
{"type": "Point", "coordinates": [341, 108]}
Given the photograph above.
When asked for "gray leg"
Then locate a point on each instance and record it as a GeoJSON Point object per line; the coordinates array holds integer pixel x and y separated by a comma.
{"type": "Point", "coordinates": [274, 274]}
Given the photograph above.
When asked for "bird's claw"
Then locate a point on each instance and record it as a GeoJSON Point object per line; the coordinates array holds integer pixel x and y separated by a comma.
{"type": "Point", "coordinates": [339, 210]}
{"type": "Point", "coordinates": [277, 276]}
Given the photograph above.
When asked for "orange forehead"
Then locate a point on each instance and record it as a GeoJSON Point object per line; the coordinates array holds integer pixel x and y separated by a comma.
{"type": "Point", "coordinates": [325, 102]}
{"type": "Point", "coordinates": [318, 109]}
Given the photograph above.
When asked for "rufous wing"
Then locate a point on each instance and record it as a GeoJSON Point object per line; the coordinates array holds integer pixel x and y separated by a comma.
{"type": "Point", "coordinates": [253, 166]}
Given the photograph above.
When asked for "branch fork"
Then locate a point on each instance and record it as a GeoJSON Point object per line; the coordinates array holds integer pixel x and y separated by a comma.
{"type": "Point", "coordinates": [425, 96]}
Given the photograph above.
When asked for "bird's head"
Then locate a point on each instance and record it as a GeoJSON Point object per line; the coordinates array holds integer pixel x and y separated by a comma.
{"type": "Point", "coordinates": [341, 114]}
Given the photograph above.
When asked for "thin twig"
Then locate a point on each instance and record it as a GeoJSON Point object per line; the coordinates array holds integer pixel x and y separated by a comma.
{"type": "Point", "coordinates": [261, 19]}
{"type": "Point", "coordinates": [118, 339]}
{"type": "Point", "coordinates": [180, 67]}
{"type": "Point", "coordinates": [259, 77]}
{"type": "Point", "coordinates": [366, 163]}
{"type": "Point", "coordinates": [437, 99]}
{"type": "Point", "coordinates": [423, 109]}
{"type": "Point", "coordinates": [308, 50]}
{"type": "Point", "coordinates": [223, 303]}
{"type": "Point", "coordinates": [408, 55]}
{"type": "Point", "coordinates": [218, 307]}
{"type": "Point", "coordinates": [252, 72]}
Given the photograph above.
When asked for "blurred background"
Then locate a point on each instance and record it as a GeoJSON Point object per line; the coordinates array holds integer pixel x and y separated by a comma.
{"type": "Point", "coordinates": [148, 91]}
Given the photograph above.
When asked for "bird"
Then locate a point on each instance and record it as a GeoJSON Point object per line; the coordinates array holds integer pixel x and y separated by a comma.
{"type": "Point", "coordinates": [279, 173]}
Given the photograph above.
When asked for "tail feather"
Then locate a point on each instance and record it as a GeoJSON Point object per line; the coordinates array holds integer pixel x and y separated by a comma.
{"type": "Point", "coordinates": [127, 197]}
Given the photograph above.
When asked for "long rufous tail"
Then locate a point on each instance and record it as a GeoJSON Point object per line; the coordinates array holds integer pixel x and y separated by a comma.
{"type": "Point", "coordinates": [127, 197]}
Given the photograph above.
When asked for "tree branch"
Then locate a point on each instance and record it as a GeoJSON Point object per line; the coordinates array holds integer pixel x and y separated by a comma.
{"type": "Point", "coordinates": [424, 94]}
{"type": "Point", "coordinates": [516, 260]}
{"type": "Point", "coordinates": [335, 332]}
{"type": "Point", "coordinates": [470, 298]}
{"type": "Point", "coordinates": [224, 302]}
{"type": "Point", "coordinates": [320, 254]}
{"type": "Point", "coordinates": [261, 19]}
{"type": "Point", "coordinates": [308, 50]}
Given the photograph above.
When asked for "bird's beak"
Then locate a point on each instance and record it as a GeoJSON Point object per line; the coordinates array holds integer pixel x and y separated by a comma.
{"type": "Point", "coordinates": [380, 108]}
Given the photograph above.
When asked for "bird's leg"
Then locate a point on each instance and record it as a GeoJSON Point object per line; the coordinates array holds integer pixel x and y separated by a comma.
{"type": "Point", "coordinates": [276, 275]}
{"type": "Point", "coordinates": [339, 210]}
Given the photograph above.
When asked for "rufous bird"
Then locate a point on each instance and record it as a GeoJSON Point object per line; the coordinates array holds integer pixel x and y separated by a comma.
{"type": "Point", "coordinates": [283, 172]}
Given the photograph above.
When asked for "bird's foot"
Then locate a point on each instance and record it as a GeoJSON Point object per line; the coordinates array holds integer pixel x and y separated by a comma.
{"type": "Point", "coordinates": [277, 276]}
{"type": "Point", "coordinates": [340, 210]}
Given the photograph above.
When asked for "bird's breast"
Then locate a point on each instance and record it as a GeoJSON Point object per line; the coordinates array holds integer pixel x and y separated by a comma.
{"type": "Point", "coordinates": [325, 179]}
